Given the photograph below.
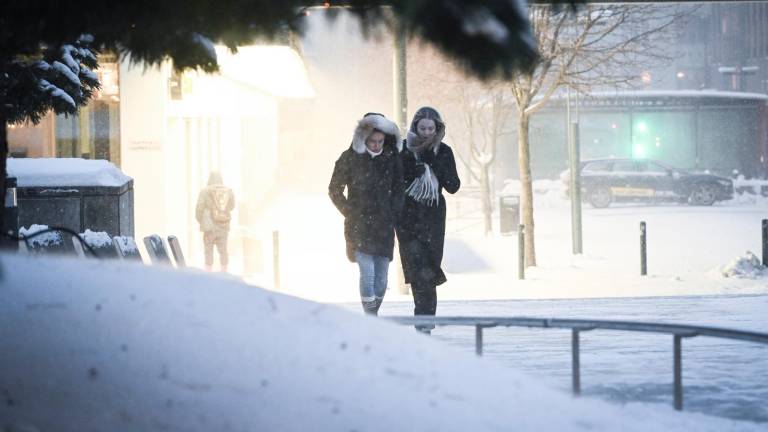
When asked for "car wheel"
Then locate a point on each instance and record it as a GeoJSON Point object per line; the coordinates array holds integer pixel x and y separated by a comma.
{"type": "Point", "coordinates": [599, 197]}
{"type": "Point", "coordinates": [703, 195]}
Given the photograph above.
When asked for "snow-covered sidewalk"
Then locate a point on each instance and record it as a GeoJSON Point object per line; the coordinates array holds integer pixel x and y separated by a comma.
{"type": "Point", "coordinates": [690, 252]}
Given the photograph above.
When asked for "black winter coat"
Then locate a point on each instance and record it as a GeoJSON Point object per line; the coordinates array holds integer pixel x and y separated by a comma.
{"type": "Point", "coordinates": [374, 199]}
{"type": "Point", "coordinates": [421, 230]}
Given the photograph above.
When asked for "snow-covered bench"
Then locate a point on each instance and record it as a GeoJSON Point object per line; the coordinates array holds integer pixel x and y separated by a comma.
{"type": "Point", "coordinates": [40, 239]}
{"type": "Point", "coordinates": [125, 247]}
{"type": "Point", "coordinates": [158, 252]}
{"type": "Point", "coordinates": [98, 242]}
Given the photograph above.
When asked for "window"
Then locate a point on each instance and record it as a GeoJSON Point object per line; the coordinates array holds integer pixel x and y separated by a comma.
{"type": "Point", "coordinates": [598, 166]}
{"type": "Point", "coordinates": [652, 168]}
{"type": "Point", "coordinates": [624, 166]}
{"type": "Point", "coordinates": [94, 133]}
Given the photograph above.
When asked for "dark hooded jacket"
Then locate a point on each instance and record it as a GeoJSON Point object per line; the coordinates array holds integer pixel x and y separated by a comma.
{"type": "Point", "coordinates": [421, 229]}
{"type": "Point", "coordinates": [374, 186]}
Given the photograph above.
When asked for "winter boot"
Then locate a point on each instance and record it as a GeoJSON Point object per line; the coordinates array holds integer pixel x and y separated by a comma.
{"type": "Point", "coordinates": [369, 307]}
{"type": "Point", "coordinates": [378, 302]}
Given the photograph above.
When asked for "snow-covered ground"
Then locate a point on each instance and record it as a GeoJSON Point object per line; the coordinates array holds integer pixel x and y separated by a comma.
{"type": "Point", "coordinates": [110, 346]}
{"type": "Point", "coordinates": [690, 251]}
{"type": "Point", "coordinates": [702, 270]}
{"type": "Point", "coordinates": [90, 345]}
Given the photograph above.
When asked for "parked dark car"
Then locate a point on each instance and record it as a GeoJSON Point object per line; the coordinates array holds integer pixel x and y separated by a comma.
{"type": "Point", "coordinates": [604, 181]}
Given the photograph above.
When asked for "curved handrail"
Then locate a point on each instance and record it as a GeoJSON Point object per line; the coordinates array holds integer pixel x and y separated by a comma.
{"type": "Point", "coordinates": [683, 330]}
{"type": "Point", "coordinates": [678, 331]}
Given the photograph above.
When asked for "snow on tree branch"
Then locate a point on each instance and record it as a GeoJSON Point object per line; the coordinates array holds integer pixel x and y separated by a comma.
{"type": "Point", "coordinates": [60, 79]}
{"type": "Point", "coordinates": [206, 44]}
{"type": "Point", "coordinates": [57, 93]}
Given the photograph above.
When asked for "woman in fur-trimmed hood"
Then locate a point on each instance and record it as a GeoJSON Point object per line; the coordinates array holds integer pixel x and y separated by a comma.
{"type": "Point", "coordinates": [428, 168]}
{"type": "Point", "coordinates": [372, 173]}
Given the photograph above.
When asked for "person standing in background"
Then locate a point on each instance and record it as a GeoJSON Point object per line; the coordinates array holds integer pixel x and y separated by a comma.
{"type": "Point", "coordinates": [213, 212]}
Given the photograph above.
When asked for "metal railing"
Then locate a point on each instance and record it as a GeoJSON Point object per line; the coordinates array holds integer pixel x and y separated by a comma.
{"type": "Point", "coordinates": [577, 326]}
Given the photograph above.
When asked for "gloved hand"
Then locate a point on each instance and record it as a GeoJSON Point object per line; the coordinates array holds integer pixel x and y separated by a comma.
{"type": "Point", "coordinates": [427, 156]}
{"type": "Point", "coordinates": [420, 169]}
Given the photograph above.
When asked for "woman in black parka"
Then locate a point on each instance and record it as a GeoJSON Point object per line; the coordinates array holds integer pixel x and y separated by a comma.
{"type": "Point", "coordinates": [428, 168]}
{"type": "Point", "coordinates": [372, 173]}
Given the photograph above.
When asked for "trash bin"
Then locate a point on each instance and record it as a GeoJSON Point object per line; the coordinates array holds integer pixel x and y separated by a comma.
{"type": "Point", "coordinates": [509, 214]}
{"type": "Point", "coordinates": [73, 193]}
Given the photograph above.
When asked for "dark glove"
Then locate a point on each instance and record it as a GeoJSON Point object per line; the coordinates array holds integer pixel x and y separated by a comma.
{"type": "Point", "coordinates": [427, 156]}
{"type": "Point", "coordinates": [419, 169]}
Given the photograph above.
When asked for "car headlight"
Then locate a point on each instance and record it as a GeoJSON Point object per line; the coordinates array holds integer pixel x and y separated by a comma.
{"type": "Point", "coordinates": [725, 182]}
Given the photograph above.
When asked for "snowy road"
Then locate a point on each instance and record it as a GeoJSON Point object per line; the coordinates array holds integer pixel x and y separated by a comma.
{"type": "Point", "coordinates": [721, 377]}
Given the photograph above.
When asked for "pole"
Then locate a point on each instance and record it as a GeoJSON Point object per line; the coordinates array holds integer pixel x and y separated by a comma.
{"type": "Point", "coordinates": [643, 252]}
{"type": "Point", "coordinates": [575, 363]}
{"type": "Point", "coordinates": [521, 252]}
{"type": "Point", "coordinates": [400, 109]}
{"type": "Point", "coordinates": [765, 242]}
{"type": "Point", "coordinates": [575, 171]}
{"type": "Point", "coordinates": [678, 372]}
{"type": "Point", "coordinates": [479, 340]}
{"type": "Point", "coordinates": [276, 258]}
{"type": "Point", "coordinates": [400, 68]}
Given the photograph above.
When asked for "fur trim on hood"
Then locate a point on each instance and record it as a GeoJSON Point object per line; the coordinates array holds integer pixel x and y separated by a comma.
{"type": "Point", "coordinates": [431, 114]}
{"type": "Point", "coordinates": [366, 126]}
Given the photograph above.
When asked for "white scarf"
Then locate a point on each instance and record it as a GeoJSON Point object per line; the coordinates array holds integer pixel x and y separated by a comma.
{"type": "Point", "coordinates": [424, 189]}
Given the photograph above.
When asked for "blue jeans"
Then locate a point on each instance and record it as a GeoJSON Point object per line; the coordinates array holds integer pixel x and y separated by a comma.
{"type": "Point", "coordinates": [373, 275]}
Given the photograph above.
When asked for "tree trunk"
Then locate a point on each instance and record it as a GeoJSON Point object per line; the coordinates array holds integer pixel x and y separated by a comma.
{"type": "Point", "coordinates": [3, 159]}
{"type": "Point", "coordinates": [485, 197]}
{"type": "Point", "coordinates": [526, 188]}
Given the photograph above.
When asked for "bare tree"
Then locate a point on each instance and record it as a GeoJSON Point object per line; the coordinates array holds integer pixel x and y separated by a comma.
{"type": "Point", "coordinates": [485, 109]}
{"type": "Point", "coordinates": [600, 46]}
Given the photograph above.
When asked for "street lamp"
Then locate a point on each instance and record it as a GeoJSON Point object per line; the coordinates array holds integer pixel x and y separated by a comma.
{"type": "Point", "coordinates": [572, 134]}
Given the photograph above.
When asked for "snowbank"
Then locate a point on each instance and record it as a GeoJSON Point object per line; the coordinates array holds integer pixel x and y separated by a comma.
{"type": "Point", "coordinates": [65, 172]}
{"type": "Point", "coordinates": [747, 266]}
{"type": "Point", "coordinates": [92, 345]}
{"type": "Point", "coordinates": [547, 193]}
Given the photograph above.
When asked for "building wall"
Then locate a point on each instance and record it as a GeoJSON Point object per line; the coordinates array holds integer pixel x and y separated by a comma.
{"type": "Point", "coordinates": [142, 131]}
{"type": "Point", "coordinates": [689, 133]}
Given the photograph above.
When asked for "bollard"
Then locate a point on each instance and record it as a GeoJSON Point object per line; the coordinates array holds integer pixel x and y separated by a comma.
{"type": "Point", "coordinates": [643, 255]}
{"type": "Point", "coordinates": [678, 372]}
{"type": "Point", "coordinates": [521, 252]}
{"type": "Point", "coordinates": [765, 242]}
{"type": "Point", "coordinates": [276, 258]}
{"type": "Point", "coordinates": [575, 363]}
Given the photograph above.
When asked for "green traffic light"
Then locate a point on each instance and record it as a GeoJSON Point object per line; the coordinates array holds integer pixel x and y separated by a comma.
{"type": "Point", "coordinates": [638, 151]}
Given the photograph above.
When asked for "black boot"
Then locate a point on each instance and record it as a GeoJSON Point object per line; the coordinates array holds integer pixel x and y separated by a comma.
{"type": "Point", "coordinates": [425, 303]}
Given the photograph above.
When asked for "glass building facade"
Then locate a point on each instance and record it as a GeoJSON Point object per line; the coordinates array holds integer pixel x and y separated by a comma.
{"type": "Point", "coordinates": [706, 131]}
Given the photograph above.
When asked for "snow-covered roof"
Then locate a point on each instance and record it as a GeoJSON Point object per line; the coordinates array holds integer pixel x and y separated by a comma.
{"type": "Point", "coordinates": [66, 172]}
{"type": "Point", "coordinates": [116, 346]}
{"type": "Point", "coordinates": [669, 93]}
{"type": "Point", "coordinates": [682, 93]}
